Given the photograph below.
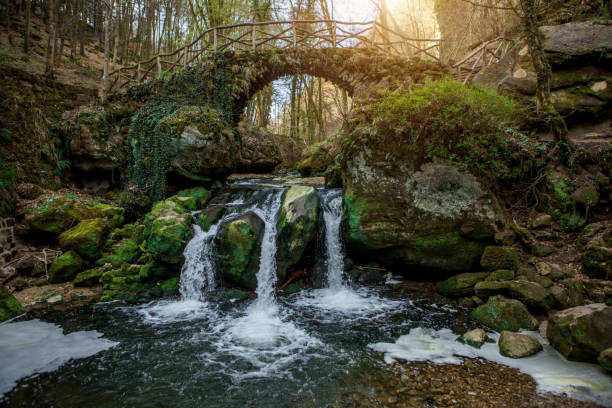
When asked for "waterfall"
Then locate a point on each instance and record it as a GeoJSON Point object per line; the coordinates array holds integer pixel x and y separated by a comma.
{"type": "Point", "coordinates": [331, 201]}
{"type": "Point", "coordinates": [266, 276]}
{"type": "Point", "coordinates": [198, 272]}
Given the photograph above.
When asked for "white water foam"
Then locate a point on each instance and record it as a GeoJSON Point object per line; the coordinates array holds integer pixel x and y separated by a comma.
{"type": "Point", "coordinates": [33, 347]}
{"type": "Point", "coordinates": [550, 370]}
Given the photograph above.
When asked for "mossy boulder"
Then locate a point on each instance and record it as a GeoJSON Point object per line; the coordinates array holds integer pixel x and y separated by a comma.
{"type": "Point", "coordinates": [534, 295]}
{"type": "Point", "coordinates": [296, 226]}
{"type": "Point", "coordinates": [239, 251]}
{"type": "Point", "coordinates": [460, 285]}
{"type": "Point", "coordinates": [605, 359]}
{"type": "Point", "coordinates": [317, 158]}
{"type": "Point", "coordinates": [9, 306]}
{"type": "Point", "coordinates": [433, 216]}
{"type": "Point", "coordinates": [596, 243]}
{"type": "Point", "coordinates": [192, 199]}
{"type": "Point", "coordinates": [126, 251]}
{"type": "Point", "coordinates": [501, 275]}
{"type": "Point", "coordinates": [500, 313]}
{"type": "Point", "coordinates": [581, 333]}
{"type": "Point", "coordinates": [167, 229]}
{"type": "Point", "coordinates": [65, 267]}
{"type": "Point", "coordinates": [203, 147]}
{"type": "Point", "coordinates": [55, 214]}
{"type": "Point", "coordinates": [515, 345]}
{"type": "Point", "coordinates": [90, 277]}
{"type": "Point", "coordinates": [495, 258]}
{"type": "Point", "coordinates": [86, 238]}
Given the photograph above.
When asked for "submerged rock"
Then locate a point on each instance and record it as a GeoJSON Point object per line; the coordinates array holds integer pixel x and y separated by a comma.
{"type": "Point", "coordinates": [517, 345]}
{"type": "Point", "coordinates": [296, 226]}
{"type": "Point", "coordinates": [435, 216]}
{"type": "Point", "coordinates": [500, 313]}
{"type": "Point", "coordinates": [582, 332]}
{"type": "Point", "coordinates": [460, 285]}
{"type": "Point", "coordinates": [475, 338]}
{"type": "Point", "coordinates": [9, 306]}
{"type": "Point", "coordinates": [65, 267]}
{"type": "Point", "coordinates": [239, 250]}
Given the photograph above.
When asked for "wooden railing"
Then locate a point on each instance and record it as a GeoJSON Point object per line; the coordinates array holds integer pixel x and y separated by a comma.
{"type": "Point", "coordinates": [279, 35]}
{"type": "Point", "coordinates": [481, 57]}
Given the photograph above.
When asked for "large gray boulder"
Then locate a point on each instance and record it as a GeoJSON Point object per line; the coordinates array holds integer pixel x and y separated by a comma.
{"type": "Point", "coordinates": [203, 148]}
{"type": "Point", "coordinates": [435, 215]}
{"type": "Point", "coordinates": [296, 226]}
{"type": "Point", "coordinates": [581, 333]}
{"type": "Point", "coordinates": [517, 345]}
{"type": "Point", "coordinates": [577, 40]}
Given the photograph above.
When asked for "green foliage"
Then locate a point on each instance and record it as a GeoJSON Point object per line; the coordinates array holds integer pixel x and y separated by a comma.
{"type": "Point", "coordinates": [149, 139]}
{"type": "Point", "coordinates": [443, 119]}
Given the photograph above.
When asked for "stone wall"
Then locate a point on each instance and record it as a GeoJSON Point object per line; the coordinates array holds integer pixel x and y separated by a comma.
{"type": "Point", "coordinates": [8, 245]}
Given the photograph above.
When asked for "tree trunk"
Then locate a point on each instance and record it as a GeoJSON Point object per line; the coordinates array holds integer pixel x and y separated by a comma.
{"type": "Point", "coordinates": [26, 34]}
{"type": "Point", "coordinates": [543, 71]}
{"type": "Point", "coordinates": [51, 40]}
{"type": "Point", "coordinates": [107, 36]}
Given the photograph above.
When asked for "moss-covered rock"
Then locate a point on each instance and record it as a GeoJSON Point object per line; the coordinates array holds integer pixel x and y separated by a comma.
{"type": "Point", "coordinates": [495, 258]}
{"type": "Point", "coordinates": [90, 277]}
{"type": "Point", "coordinates": [333, 177]}
{"type": "Point", "coordinates": [532, 294]}
{"type": "Point", "coordinates": [296, 226]}
{"type": "Point", "coordinates": [460, 285]}
{"type": "Point", "coordinates": [317, 158]}
{"type": "Point", "coordinates": [581, 333]}
{"type": "Point", "coordinates": [500, 313]}
{"type": "Point", "coordinates": [259, 150]}
{"type": "Point", "coordinates": [170, 286]}
{"type": "Point", "coordinates": [65, 267]}
{"type": "Point", "coordinates": [9, 306]}
{"type": "Point", "coordinates": [57, 213]}
{"type": "Point", "coordinates": [596, 243]}
{"type": "Point", "coordinates": [501, 275]}
{"type": "Point", "coordinates": [167, 231]}
{"type": "Point", "coordinates": [192, 199]}
{"type": "Point", "coordinates": [86, 238]}
{"type": "Point", "coordinates": [605, 359]}
{"type": "Point", "coordinates": [239, 251]}
{"type": "Point", "coordinates": [515, 345]}
{"type": "Point", "coordinates": [436, 216]}
{"type": "Point", "coordinates": [126, 251]}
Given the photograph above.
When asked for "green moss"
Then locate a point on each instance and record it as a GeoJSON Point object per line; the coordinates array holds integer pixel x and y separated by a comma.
{"type": "Point", "coordinates": [86, 238]}
{"type": "Point", "coordinates": [167, 230]}
{"type": "Point", "coordinates": [501, 275]}
{"type": "Point", "coordinates": [239, 252]}
{"type": "Point", "coordinates": [125, 251]}
{"type": "Point", "coordinates": [442, 119]}
{"type": "Point", "coordinates": [460, 285]}
{"type": "Point", "coordinates": [501, 314]}
{"type": "Point", "coordinates": [65, 267]}
{"type": "Point", "coordinates": [170, 286]}
{"type": "Point", "coordinates": [495, 258]}
{"type": "Point", "coordinates": [90, 277]}
{"type": "Point", "coordinates": [9, 306]}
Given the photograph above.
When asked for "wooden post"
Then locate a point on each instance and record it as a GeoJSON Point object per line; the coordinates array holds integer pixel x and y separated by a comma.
{"type": "Point", "coordinates": [159, 66]}
{"type": "Point", "coordinates": [334, 33]}
{"type": "Point", "coordinates": [254, 36]}
{"type": "Point", "coordinates": [215, 39]}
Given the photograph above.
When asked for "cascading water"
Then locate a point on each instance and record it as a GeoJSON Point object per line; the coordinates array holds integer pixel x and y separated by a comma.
{"type": "Point", "coordinates": [331, 201]}
{"type": "Point", "coordinates": [198, 273]}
